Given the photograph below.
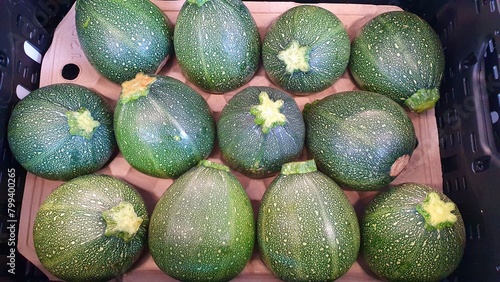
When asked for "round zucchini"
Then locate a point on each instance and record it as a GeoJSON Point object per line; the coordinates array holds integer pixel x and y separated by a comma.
{"type": "Point", "coordinates": [61, 131]}
{"type": "Point", "coordinates": [217, 44]}
{"type": "Point", "coordinates": [399, 55]}
{"type": "Point", "coordinates": [412, 233]}
{"type": "Point", "coordinates": [259, 130]}
{"type": "Point", "coordinates": [123, 38]}
{"type": "Point", "coordinates": [91, 228]}
{"type": "Point", "coordinates": [163, 127]}
{"type": "Point", "coordinates": [361, 139]}
{"type": "Point", "coordinates": [202, 228]}
{"type": "Point", "coordinates": [307, 229]}
{"type": "Point", "coordinates": [306, 50]}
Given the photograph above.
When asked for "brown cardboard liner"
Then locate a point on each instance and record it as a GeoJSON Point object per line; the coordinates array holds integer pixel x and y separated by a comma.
{"type": "Point", "coordinates": [424, 166]}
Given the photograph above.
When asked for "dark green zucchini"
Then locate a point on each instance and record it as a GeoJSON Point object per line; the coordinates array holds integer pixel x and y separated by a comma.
{"type": "Point", "coordinates": [306, 49]}
{"type": "Point", "coordinates": [412, 232]}
{"type": "Point", "coordinates": [361, 139]}
{"type": "Point", "coordinates": [398, 54]}
{"type": "Point", "coordinates": [123, 38]}
{"type": "Point", "coordinates": [61, 131]}
{"type": "Point", "coordinates": [307, 229]}
{"type": "Point", "coordinates": [259, 130]}
{"type": "Point", "coordinates": [163, 127]}
{"type": "Point", "coordinates": [202, 228]}
{"type": "Point", "coordinates": [217, 44]}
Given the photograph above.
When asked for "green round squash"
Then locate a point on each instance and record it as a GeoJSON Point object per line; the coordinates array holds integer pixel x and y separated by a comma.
{"type": "Point", "coordinates": [399, 55]}
{"type": "Point", "coordinates": [259, 130]}
{"type": "Point", "coordinates": [203, 228]}
{"type": "Point", "coordinates": [217, 44]}
{"type": "Point", "coordinates": [123, 38]}
{"type": "Point", "coordinates": [61, 131]}
{"type": "Point", "coordinates": [412, 233]}
{"type": "Point", "coordinates": [91, 228]}
{"type": "Point", "coordinates": [306, 49]}
{"type": "Point", "coordinates": [163, 127]}
{"type": "Point", "coordinates": [307, 229]}
{"type": "Point", "coordinates": [361, 139]}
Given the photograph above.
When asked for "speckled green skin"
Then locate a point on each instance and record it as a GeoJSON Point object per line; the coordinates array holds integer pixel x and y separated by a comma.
{"type": "Point", "coordinates": [397, 246]}
{"type": "Point", "coordinates": [217, 44]}
{"type": "Point", "coordinates": [307, 229]}
{"type": "Point", "coordinates": [243, 144]}
{"type": "Point", "coordinates": [167, 132]}
{"type": "Point", "coordinates": [397, 54]}
{"type": "Point", "coordinates": [356, 136]}
{"type": "Point", "coordinates": [317, 28]}
{"type": "Point", "coordinates": [68, 231]}
{"type": "Point", "coordinates": [40, 139]}
{"type": "Point", "coordinates": [202, 228]}
{"type": "Point", "coordinates": [123, 38]}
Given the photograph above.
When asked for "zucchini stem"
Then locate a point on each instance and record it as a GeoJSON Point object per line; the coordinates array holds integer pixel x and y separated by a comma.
{"type": "Point", "coordinates": [82, 123]}
{"type": "Point", "coordinates": [211, 164]}
{"type": "Point", "coordinates": [267, 113]}
{"type": "Point", "coordinates": [399, 165]}
{"type": "Point", "coordinates": [122, 221]}
{"type": "Point", "coordinates": [137, 87]}
{"type": "Point", "coordinates": [422, 100]}
{"type": "Point", "coordinates": [295, 57]}
{"type": "Point", "coordinates": [199, 3]}
{"type": "Point", "coordinates": [299, 167]}
{"type": "Point", "coordinates": [436, 212]}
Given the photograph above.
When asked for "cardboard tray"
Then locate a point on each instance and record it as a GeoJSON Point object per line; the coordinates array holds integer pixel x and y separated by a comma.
{"type": "Point", "coordinates": [424, 166]}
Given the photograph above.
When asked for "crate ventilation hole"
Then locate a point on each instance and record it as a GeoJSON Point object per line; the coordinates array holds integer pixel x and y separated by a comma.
{"type": "Point", "coordinates": [70, 71]}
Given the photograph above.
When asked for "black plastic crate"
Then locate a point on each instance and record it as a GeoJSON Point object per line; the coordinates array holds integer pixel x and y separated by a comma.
{"type": "Point", "coordinates": [26, 32]}
{"type": "Point", "coordinates": [469, 128]}
{"type": "Point", "coordinates": [467, 115]}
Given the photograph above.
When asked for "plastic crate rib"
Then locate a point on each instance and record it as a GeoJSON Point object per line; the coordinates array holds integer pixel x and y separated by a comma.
{"type": "Point", "coordinates": [469, 129]}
